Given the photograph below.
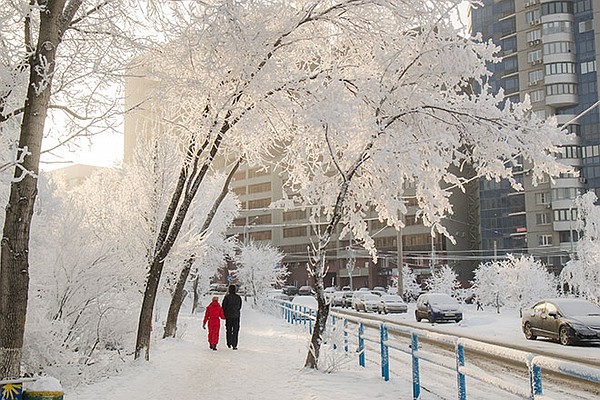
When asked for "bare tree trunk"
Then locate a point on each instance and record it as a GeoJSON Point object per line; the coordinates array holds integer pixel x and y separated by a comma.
{"type": "Point", "coordinates": [190, 178]}
{"type": "Point", "coordinates": [318, 268]}
{"type": "Point", "coordinates": [177, 299]}
{"type": "Point", "coordinates": [196, 297]}
{"type": "Point", "coordinates": [14, 257]}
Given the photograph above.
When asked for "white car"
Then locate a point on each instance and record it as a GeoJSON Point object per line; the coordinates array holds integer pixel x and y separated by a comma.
{"type": "Point", "coordinates": [365, 301]}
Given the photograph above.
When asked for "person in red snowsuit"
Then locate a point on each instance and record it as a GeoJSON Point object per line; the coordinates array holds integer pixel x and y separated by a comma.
{"type": "Point", "coordinates": [213, 315]}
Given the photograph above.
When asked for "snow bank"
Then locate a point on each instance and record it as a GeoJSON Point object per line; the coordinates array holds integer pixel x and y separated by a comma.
{"type": "Point", "coordinates": [44, 384]}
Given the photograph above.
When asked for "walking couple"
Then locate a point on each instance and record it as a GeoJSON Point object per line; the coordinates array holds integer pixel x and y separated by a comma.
{"type": "Point", "coordinates": [229, 310]}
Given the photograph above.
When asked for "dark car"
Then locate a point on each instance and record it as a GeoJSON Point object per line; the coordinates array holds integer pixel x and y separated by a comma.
{"type": "Point", "coordinates": [567, 320]}
{"type": "Point", "coordinates": [290, 290]}
{"type": "Point", "coordinates": [305, 291]}
{"type": "Point", "coordinates": [438, 307]}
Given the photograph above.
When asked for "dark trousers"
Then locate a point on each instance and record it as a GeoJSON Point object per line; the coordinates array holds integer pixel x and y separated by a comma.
{"type": "Point", "coordinates": [232, 326]}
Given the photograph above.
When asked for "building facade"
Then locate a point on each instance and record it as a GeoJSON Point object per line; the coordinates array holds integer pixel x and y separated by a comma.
{"type": "Point", "coordinates": [549, 54]}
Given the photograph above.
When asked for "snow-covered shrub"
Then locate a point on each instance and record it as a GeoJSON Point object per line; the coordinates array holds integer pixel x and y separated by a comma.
{"type": "Point", "coordinates": [411, 287]}
{"type": "Point", "coordinates": [259, 268]}
{"type": "Point", "coordinates": [514, 281]}
{"type": "Point", "coordinates": [444, 280]}
{"type": "Point", "coordinates": [582, 274]}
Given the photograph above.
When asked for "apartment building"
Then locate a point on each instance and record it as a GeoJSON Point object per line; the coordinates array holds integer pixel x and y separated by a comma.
{"type": "Point", "coordinates": [549, 53]}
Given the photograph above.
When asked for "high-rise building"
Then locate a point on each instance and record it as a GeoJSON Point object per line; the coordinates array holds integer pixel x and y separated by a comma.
{"type": "Point", "coordinates": [549, 54]}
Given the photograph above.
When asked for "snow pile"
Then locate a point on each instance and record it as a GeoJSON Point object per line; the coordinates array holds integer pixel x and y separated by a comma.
{"type": "Point", "coordinates": [44, 384]}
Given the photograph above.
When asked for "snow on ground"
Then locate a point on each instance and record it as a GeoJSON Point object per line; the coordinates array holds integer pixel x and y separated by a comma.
{"type": "Point", "coordinates": [268, 365]}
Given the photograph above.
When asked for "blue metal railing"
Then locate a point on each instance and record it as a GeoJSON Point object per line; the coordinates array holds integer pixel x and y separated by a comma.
{"type": "Point", "coordinates": [295, 314]}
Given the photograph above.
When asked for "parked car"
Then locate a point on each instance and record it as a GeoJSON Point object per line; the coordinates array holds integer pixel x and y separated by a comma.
{"type": "Point", "coordinates": [391, 303]}
{"type": "Point", "coordinates": [379, 288]}
{"type": "Point", "coordinates": [277, 294]}
{"type": "Point", "coordinates": [290, 290]}
{"type": "Point", "coordinates": [438, 307]}
{"type": "Point", "coordinates": [346, 288]}
{"type": "Point", "coordinates": [567, 320]}
{"type": "Point", "coordinates": [337, 299]}
{"type": "Point", "coordinates": [347, 298]}
{"type": "Point", "coordinates": [365, 301]}
{"type": "Point", "coordinates": [305, 291]}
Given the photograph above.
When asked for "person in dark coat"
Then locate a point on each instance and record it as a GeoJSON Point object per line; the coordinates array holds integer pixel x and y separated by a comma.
{"type": "Point", "coordinates": [232, 304]}
{"type": "Point", "coordinates": [213, 315]}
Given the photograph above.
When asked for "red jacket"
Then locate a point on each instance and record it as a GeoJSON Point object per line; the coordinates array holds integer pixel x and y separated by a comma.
{"type": "Point", "coordinates": [213, 313]}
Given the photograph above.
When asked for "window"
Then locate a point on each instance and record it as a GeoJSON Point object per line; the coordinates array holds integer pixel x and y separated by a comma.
{"type": "Point", "coordinates": [586, 26]}
{"type": "Point", "coordinates": [533, 16]}
{"type": "Point", "coordinates": [534, 35]}
{"type": "Point", "coordinates": [534, 56]}
{"type": "Point", "coordinates": [545, 240]}
{"type": "Point", "coordinates": [260, 235]}
{"type": "Point", "coordinates": [570, 152]}
{"type": "Point", "coordinates": [294, 215]}
{"type": "Point", "coordinates": [240, 175]}
{"type": "Point", "coordinates": [583, 6]}
{"type": "Point", "coordinates": [542, 198]}
{"type": "Point", "coordinates": [259, 203]}
{"type": "Point", "coordinates": [560, 68]}
{"type": "Point", "coordinates": [298, 231]}
{"type": "Point", "coordinates": [557, 47]}
{"type": "Point", "coordinates": [377, 224]}
{"type": "Point", "coordinates": [240, 191]}
{"type": "Point", "coordinates": [542, 218]}
{"type": "Point", "coordinates": [567, 214]}
{"type": "Point", "coordinates": [537, 95]}
{"type": "Point", "coordinates": [561, 88]}
{"type": "Point", "coordinates": [536, 76]}
{"type": "Point", "coordinates": [259, 187]}
{"type": "Point", "coordinates": [262, 219]}
{"type": "Point", "coordinates": [412, 220]}
{"type": "Point", "coordinates": [549, 28]}
{"type": "Point", "coordinates": [557, 7]}
{"type": "Point", "coordinates": [587, 67]}
{"type": "Point", "coordinates": [385, 242]}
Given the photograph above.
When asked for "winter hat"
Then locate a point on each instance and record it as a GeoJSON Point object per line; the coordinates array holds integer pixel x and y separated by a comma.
{"type": "Point", "coordinates": [232, 289]}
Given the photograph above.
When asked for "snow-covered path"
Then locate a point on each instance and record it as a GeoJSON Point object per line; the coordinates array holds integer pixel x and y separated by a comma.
{"type": "Point", "coordinates": [268, 365]}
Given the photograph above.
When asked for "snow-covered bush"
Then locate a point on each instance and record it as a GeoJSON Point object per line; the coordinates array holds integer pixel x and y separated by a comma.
{"type": "Point", "coordinates": [582, 274]}
{"type": "Point", "coordinates": [259, 268]}
{"type": "Point", "coordinates": [411, 287]}
{"type": "Point", "coordinates": [514, 281]}
{"type": "Point", "coordinates": [444, 280]}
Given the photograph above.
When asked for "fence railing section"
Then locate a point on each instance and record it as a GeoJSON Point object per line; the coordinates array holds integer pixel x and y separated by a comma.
{"type": "Point", "coordinates": [305, 315]}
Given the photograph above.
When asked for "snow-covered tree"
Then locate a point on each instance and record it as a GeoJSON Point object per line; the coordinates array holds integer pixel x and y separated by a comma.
{"type": "Point", "coordinates": [514, 281]}
{"type": "Point", "coordinates": [411, 287]}
{"type": "Point", "coordinates": [582, 274]}
{"type": "Point", "coordinates": [407, 104]}
{"type": "Point", "coordinates": [444, 280]}
{"type": "Point", "coordinates": [259, 268]}
{"type": "Point", "coordinates": [62, 56]}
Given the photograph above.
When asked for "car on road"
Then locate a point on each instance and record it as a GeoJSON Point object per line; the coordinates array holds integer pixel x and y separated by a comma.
{"type": "Point", "coordinates": [438, 307]}
{"type": "Point", "coordinates": [347, 298]}
{"type": "Point", "coordinates": [290, 290]}
{"type": "Point", "coordinates": [305, 291]}
{"type": "Point", "coordinates": [336, 300]}
{"type": "Point", "coordinates": [391, 303]}
{"type": "Point", "coordinates": [567, 320]}
{"type": "Point", "coordinates": [365, 301]}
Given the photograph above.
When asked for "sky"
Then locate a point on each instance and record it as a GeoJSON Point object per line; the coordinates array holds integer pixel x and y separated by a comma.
{"type": "Point", "coordinates": [268, 365]}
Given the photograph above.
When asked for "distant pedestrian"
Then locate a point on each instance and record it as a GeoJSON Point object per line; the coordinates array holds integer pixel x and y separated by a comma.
{"type": "Point", "coordinates": [478, 304]}
{"type": "Point", "coordinates": [232, 304]}
{"type": "Point", "coordinates": [213, 315]}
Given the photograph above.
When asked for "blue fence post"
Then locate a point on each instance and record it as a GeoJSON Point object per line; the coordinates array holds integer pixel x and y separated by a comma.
{"type": "Point", "coordinates": [345, 335]}
{"type": "Point", "coordinates": [310, 321]}
{"type": "Point", "coordinates": [361, 345]}
{"type": "Point", "coordinates": [460, 377]}
{"type": "Point", "coordinates": [535, 378]}
{"type": "Point", "coordinates": [385, 359]}
{"type": "Point", "coordinates": [414, 348]}
{"type": "Point", "coordinates": [304, 315]}
{"type": "Point", "coordinates": [288, 313]}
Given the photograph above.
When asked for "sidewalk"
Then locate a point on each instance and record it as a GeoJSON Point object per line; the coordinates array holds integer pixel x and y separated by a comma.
{"type": "Point", "coordinates": [267, 366]}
